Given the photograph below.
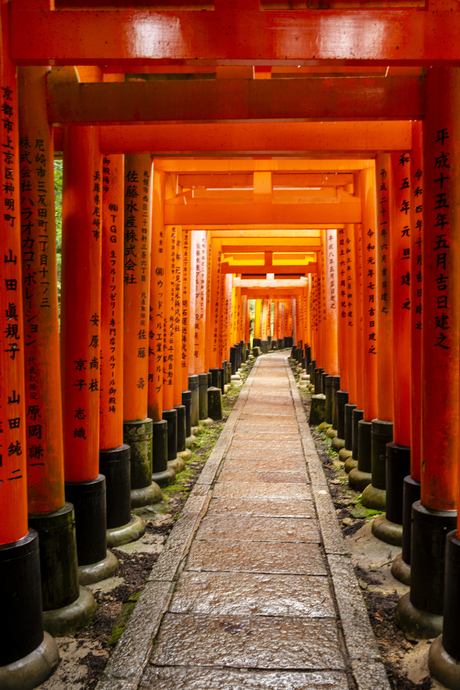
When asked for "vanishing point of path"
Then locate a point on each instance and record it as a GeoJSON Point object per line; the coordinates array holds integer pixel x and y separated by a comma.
{"type": "Point", "coordinates": [254, 588]}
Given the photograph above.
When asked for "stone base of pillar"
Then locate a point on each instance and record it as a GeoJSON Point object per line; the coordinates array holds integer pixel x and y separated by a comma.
{"type": "Point", "coordinates": [115, 465]}
{"type": "Point", "coordinates": [264, 344]}
{"type": "Point", "coordinates": [331, 433]}
{"type": "Point", "coordinates": [95, 572]}
{"type": "Point", "coordinates": [32, 670]}
{"type": "Point", "coordinates": [27, 657]}
{"type": "Point", "coordinates": [190, 440]}
{"type": "Point", "coordinates": [71, 618]}
{"type": "Point", "coordinates": [338, 443]}
{"type": "Point", "coordinates": [344, 454]}
{"type": "Point", "coordinates": [318, 409]}
{"type": "Point", "coordinates": [215, 403]}
{"type": "Point", "coordinates": [171, 417]}
{"type": "Point", "coordinates": [67, 607]}
{"type": "Point", "coordinates": [358, 480]}
{"type": "Point", "coordinates": [256, 351]}
{"type": "Point", "coordinates": [401, 565]}
{"type": "Point", "coordinates": [442, 666]}
{"type": "Point", "coordinates": [187, 402]}
{"type": "Point", "coordinates": [401, 570]}
{"type": "Point", "coordinates": [185, 454]}
{"type": "Point", "coordinates": [374, 499]}
{"type": "Point", "coordinates": [89, 500]}
{"type": "Point", "coordinates": [125, 534]}
{"type": "Point", "coordinates": [203, 395]}
{"type": "Point", "coordinates": [146, 496]}
{"type": "Point", "coordinates": [387, 531]}
{"type": "Point", "coordinates": [181, 427]}
{"type": "Point", "coordinates": [165, 478]}
{"type": "Point", "coordinates": [178, 465]}
{"type": "Point", "coordinates": [444, 654]}
{"type": "Point", "coordinates": [350, 464]}
{"type": "Point", "coordinates": [348, 419]}
{"type": "Point", "coordinates": [420, 611]}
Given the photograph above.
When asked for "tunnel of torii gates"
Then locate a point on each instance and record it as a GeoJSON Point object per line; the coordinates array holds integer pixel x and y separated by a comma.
{"type": "Point", "coordinates": [244, 176]}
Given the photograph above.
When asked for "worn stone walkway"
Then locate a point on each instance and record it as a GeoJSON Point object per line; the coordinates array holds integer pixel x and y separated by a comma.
{"type": "Point", "coordinates": [254, 588]}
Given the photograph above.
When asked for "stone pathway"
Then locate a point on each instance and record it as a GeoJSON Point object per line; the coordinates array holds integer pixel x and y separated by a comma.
{"type": "Point", "coordinates": [254, 588]}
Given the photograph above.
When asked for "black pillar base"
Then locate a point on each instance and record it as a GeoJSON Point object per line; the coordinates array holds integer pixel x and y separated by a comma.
{"type": "Point", "coordinates": [32, 670]}
{"type": "Point", "coordinates": [20, 599]}
{"type": "Point", "coordinates": [411, 493]}
{"type": "Point", "coordinates": [193, 383]}
{"type": "Point", "coordinates": [420, 611]}
{"type": "Point", "coordinates": [389, 528]}
{"type": "Point", "coordinates": [342, 400]}
{"type": "Point", "coordinates": [89, 500]}
{"type": "Point", "coordinates": [170, 416]}
{"type": "Point", "coordinates": [187, 401]}
{"type": "Point", "coordinates": [374, 495]}
{"type": "Point", "coordinates": [352, 463]}
{"type": "Point", "coordinates": [444, 654]}
{"type": "Point", "coordinates": [332, 384]}
{"type": "Point", "coordinates": [215, 403]}
{"type": "Point", "coordinates": [348, 415]}
{"type": "Point", "coordinates": [360, 477]}
{"type": "Point", "coordinates": [216, 378]}
{"type": "Point", "coordinates": [203, 395]}
{"type": "Point", "coordinates": [115, 465]}
{"type": "Point", "coordinates": [181, 430]}
{"type": "Point", "coordinates": [67, 606]}
{"type": "Point", "coordinates": [138, 436]}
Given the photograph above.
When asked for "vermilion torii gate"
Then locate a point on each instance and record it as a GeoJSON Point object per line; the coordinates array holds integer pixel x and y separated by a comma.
{"type": "Point", "coordinates": [339, 171]}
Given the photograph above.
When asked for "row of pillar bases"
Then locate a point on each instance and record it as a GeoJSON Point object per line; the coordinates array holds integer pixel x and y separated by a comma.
{"type": "Point", "coordinates": [42, 576]}
{"type": "Point", "coordinates": [430, 557]}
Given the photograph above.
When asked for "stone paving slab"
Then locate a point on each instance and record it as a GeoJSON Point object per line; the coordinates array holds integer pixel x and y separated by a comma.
{"type": "Point", "coordinates": [256, 475]}
{"type": "Point", "coordinates": [260, 557]}
{"type": "Point", "coordinates": [249, 528]}
{"type": "Point", "coordinates": [272, 507]}
{"type": "Point", "coordinates": [264, 454]}
{"type": "Point", "coordinates": [248, 642]}
{"type": "Point", "coordinates": [253, 594]}
{"type": "Point", "coordinates": [286, 465]}
{"type": "Point", "coordinates": [228, 679]}
{"type": "Point", "coordinates": [261, 490]}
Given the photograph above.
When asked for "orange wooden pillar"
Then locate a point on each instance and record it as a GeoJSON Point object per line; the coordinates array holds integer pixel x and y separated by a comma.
{"type": "Point", "coordinates": [199, 257]}
{"type": "Point", "coordinates": [80, 347]}
{"type": "Point", "coordinates": [48, 513]}
{"type": "Point", "coordinates": [350, 398]}
{"type": "Point", "coordinates": [332, 380]}
{"type": "Point", "coordinates": [401, 565]}
{"type": "Point", "coordinates": [185, 342]}
{"type": "Point", "coordinates": [114, 456]}
{"type": "Point", "coordinates": [247, 323]}
{"type": "Point", "coordinates": [20, 589]}
{"type": "Point", "coordinates": [342, 331]}
{"type": "Point", "coordinates": [436, 511]}
{"type": "Point", "coordinates": [265, 325]}
{"type": "Point", "coordinates": [161, 473]}
{"type": "Point", "coordinates": [398, 452]}
{"type": "Point", "coordinates": [257, 323]}
{"type": "Point", "coordinates": [382, 426]}
{"type": "Point", "coordinates": [370, 305]}
{"type": "Point", "coordinates": [193, 381]}
{"type": "Point", "coordinates": [137, 427]}
{"type": "Point", "coordinates": [176, 296]}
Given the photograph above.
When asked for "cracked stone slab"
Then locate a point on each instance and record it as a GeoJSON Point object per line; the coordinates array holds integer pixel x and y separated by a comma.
{"type": "Point", "coordinates": [249, 528]}
{"type": "Point", "coordinates": [262, 490]}
{"type": "Point", "coordinates": [289, 465]}
{"type": "Point", "coordinates": [357, 630]}
{"type": "Point", "coordinates": [228, 475]}
{"type": "Point", "coordinates": [261, 557]}
{"type": "Point", "coordinates": [253, 594]}
{"type": "Point", "coordinates": [229, 679]}
{"type": "Point", "coordinates": [248, 642]}
{"type": "Point", "coordinates": [271, 507]}
{"type": "Point", "coordinates": [135, 644]}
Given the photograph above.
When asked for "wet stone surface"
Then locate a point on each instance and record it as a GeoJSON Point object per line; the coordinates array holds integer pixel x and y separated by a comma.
{"type": "Point", "coordinates": [261, 557]}
{"type": "Point", "coordinates": [248, 642]}
{"type": "Point", "coordinates": [248, 528]}
{"type": "Point", "coordinates": [296, 465]}
{"type": "Point", "coordinates": [262, 490]}
{"type": "Point", "coordinates": [253, 594]}
{"type": "Point", "coordinates": [273, 507]}
{"type": "Point", "coordinates": [257, 475]}
{"type": "Point", "coordinates": [227, 679]}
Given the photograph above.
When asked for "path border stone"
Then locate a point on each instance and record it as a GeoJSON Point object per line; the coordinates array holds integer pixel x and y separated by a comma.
{"type": "Point", "coordinates": [132, 653]}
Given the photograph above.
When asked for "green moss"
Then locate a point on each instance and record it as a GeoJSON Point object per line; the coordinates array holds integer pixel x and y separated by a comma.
{"type": "Point", "coordinates": [122, 620]}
